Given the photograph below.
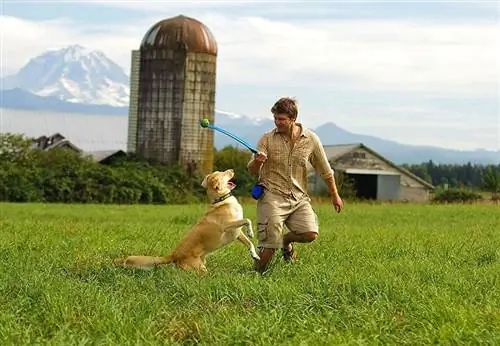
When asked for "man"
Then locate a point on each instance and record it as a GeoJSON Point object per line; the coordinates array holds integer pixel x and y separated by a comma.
{"type": "Point", "coordinates": [280, 164]}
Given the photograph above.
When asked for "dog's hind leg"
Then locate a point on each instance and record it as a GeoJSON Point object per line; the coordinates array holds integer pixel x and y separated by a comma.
{"type": "Point", "coordinates": [243, 239]}
{"type": "Point", "coordinates": [193, 264]}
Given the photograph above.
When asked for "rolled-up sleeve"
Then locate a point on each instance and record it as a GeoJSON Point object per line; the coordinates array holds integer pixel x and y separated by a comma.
{"type": "Point", "coordinates": [319, 160]}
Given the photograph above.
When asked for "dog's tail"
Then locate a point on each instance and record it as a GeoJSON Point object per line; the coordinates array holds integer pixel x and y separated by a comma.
{"type": "Point", "coordinates": [143, 262]}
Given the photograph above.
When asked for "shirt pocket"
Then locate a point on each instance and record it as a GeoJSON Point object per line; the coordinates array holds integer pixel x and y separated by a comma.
{"type": "Point", "coordinates": [301, 154]}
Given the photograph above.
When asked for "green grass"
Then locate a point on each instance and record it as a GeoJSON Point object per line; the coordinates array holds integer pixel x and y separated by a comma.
{"type": "Point", "coordinates": [378, 274]}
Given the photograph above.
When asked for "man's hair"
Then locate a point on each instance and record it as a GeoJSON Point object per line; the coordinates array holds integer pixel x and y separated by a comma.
{"type": "Point", "coordinates": [286, 105]}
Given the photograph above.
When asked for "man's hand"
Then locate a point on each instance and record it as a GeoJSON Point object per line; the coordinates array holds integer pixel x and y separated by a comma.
{"type": "Point", "coordinates": [337, 202]}
{"type": "Point", "coordinates": [260, 157]}
{"type": "Point", "coordinates": [256, 162]}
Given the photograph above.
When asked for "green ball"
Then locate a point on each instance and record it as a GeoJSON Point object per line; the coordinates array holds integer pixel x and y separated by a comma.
{"type": "Point", "coordinates": [204, 122]}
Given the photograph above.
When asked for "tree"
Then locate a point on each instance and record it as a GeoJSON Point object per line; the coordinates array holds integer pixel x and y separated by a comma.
{"type": "Point", "coordinates": [14, 147]}
{"type": "Point", "coordinates": [491, 182]}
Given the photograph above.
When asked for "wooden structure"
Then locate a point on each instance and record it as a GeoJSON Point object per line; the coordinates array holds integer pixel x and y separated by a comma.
{"type": "Point", "coordinates": [55, 140]}
{"type": "Point", "coordinates": [172, 88]}
{"type": "Point", "coordinates": [374, 176]}
{"type": "Point", "coordinates": [106, 157]}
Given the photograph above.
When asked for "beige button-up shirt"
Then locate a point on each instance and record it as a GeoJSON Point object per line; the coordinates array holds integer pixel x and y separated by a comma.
{"type": "Point", "coordinates": [285, 170]}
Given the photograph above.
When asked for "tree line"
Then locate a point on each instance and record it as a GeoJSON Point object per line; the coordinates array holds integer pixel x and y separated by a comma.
{"type": "Point", "coordinates": [62, 175]}
{"type": "Point", "coordinates": [476, 177]}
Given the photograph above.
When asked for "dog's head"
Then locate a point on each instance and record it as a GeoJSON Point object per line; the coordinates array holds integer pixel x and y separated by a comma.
{"type": "Point", "coordinates": [218, 183]}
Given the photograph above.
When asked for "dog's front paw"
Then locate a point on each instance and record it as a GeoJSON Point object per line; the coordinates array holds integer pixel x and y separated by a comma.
{"type": "Point", "coordinates": [254, 255]}
{"type": "Point", "coordinates": [249, 228]}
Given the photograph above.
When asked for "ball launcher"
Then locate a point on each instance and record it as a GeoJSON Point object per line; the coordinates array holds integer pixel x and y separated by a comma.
{"type": "Point", "coordinates": [205, 123]}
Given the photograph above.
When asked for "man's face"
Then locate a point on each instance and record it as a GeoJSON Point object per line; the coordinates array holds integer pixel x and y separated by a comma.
{"type": "Point", "coordinates": [283, 122]}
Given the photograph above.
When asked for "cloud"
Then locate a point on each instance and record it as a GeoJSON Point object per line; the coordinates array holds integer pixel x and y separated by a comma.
{"type": "Point", "coordinates": [395, 55]}
{"type": "Point", "coordinates": [354, 54]}
{"type": "Point", "coordinates": [478, 9]}
{"type": "Point", "coordinates": [159, 6]}
{"type": "Point", "coordinates": [24, 39]}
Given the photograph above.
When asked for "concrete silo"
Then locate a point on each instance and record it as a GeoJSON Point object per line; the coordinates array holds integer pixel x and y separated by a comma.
{"type": "Point", "coordinates": [172, 87]}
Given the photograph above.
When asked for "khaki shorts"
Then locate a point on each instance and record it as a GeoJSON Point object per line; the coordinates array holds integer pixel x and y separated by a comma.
{"type": "Point", "coordinates": [274, 212]}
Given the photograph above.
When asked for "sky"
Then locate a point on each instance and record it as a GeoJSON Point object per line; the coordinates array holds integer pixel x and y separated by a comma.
{"type": "Point", "coordinates": [417, 72]}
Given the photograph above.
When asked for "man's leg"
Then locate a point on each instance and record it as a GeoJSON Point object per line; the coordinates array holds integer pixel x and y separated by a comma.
{"type": "Point", "coordinates": [270, 226]}
{"type": "Point", "coordinates": [292, 237]}
{"type": "Point", "coordinates": [265, 255]}
{"type": "Point", "coordinates": [269, 234]}
{"type": "Point", "coordinates": [304, 228]}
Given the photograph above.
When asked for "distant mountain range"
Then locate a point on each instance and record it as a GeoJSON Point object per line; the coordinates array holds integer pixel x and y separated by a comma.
{"type": "Point", "coordinates": [78, 80]}
{"type": "Point", "coordinates": [75, 74]}
{"type": "Point", "coordinates": [330, 133]}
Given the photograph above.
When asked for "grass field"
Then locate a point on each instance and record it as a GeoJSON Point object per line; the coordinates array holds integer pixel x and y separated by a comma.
{"type": "Point", "coordinates": [378, 274]}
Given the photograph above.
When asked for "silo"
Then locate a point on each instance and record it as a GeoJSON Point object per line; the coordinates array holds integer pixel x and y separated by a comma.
{"type": "Point", "coordinates": [175, 89]}
{"type": "Point", "coordinates": [133, 104]}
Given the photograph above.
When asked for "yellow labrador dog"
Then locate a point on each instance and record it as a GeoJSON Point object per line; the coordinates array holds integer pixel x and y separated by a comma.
{"type": "Point", "coordinates": [221, 225]}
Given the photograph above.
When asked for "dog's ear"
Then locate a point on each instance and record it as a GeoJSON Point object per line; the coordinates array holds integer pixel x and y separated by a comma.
{"type": "Point", "coordinates": [215, 183]}
{"type": "Point", "coordinates": [204, 182]}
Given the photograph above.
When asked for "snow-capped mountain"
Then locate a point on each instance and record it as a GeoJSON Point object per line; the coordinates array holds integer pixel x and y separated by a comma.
{"type": "Point", "coordinates": [74, 74]}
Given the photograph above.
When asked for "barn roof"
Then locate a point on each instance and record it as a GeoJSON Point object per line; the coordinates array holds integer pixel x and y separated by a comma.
{"type": "Point", "coordinates": [336, 151]}
{"type": "Point", "coordinates": [55, 140]}
{"type": "Point", "coordinates": [100, 155]}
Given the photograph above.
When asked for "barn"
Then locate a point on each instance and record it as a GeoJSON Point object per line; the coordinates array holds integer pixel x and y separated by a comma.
{"type": "Point", "coordinates": [374, 176]}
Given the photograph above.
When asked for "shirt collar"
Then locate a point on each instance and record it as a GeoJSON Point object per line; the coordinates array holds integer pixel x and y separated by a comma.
{"type": "Point", "coordinates": [303, 131]}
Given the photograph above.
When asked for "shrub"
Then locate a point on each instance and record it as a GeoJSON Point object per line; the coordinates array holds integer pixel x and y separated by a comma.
{"type": "Point", "coordinates": [491, 183]}
{"type": "Point", "coordinates": [63, 176]}
{"type": "Point", "coordinates": [456, 195]}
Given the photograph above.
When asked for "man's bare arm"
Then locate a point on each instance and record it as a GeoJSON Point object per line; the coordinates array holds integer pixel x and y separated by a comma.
{"type": "Point", "coordinates": [320, 163]}
{"type": "Point", "coordinates": [332, 185]}
{"type": "Point", "coordinates": [255, 164]}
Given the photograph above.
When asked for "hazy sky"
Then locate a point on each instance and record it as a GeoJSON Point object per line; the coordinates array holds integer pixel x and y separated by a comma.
{"type": "Point", "coordinates": [417, 72]}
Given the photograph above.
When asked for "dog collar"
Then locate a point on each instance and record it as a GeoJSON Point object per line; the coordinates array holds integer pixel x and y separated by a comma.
{"type": "Point", "coordinates": [220, 199]}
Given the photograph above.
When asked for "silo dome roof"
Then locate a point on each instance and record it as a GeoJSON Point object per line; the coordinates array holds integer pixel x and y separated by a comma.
{"type": "Point", "coordinates": [180, 32]}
